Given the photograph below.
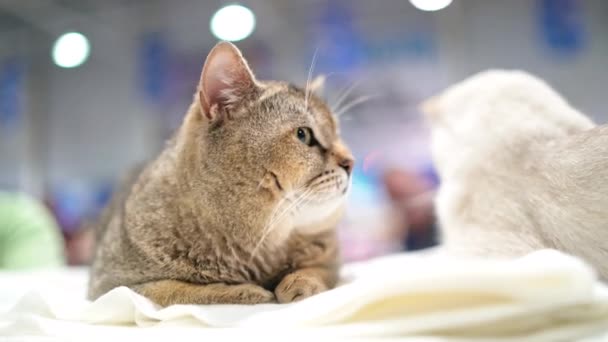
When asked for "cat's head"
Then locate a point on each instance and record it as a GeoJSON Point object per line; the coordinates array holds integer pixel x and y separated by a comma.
{"type": "Point", "coordinates": [480, 116]}
{"type": "Point", "coordinates": [268, 140]}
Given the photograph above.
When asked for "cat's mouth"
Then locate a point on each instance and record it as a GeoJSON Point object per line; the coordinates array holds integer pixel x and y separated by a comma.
{"type": "Point", "coordinates": [330, 182]}
{"type": "Point", "coordinates": [326, 173]}
{"type": "Point", "coordinates": [315, 178]}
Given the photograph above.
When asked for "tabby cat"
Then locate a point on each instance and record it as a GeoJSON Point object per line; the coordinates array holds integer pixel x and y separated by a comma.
{"type": "Point", "coordinates": [242, 204]}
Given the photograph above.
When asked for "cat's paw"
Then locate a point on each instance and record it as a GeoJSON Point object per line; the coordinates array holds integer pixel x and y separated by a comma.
{"type": "Point", "coordinates": [253, 294]}
{"type": "Point", "coordinates": [295, 287]}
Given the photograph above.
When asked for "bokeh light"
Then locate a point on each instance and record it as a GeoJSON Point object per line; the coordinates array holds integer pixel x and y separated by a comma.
{"type": "Point", "coordinates": [71, 50]}
{"type": "Point", "coordinates": [233, 23]}
{"type": "Point", "coordinates": [431, 5]}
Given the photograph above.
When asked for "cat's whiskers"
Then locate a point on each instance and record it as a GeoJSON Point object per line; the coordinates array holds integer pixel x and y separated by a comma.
{"type": "Point", "coordinates": [299, 204]}
{"type": "Point", "coordinates": [275, 213]}
{"type": "Point", "coordinates": [274, 219]}
{"type": "Point", "coordinates": [260, 183]}
{"type": "Point", "coordinates": [353, 103]}
{"type": "Point", "coordinates": [309, 77]}
{"type": "Point", "coordinates": [301, 199]}
{"type": "Point", "coordinates": [344, 95]}
{"type": "Point", "coordinates": [270, 225]}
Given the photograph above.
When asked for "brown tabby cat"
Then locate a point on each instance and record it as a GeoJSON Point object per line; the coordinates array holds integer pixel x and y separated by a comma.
{"type": "Point", "coordinates": [242, 204]}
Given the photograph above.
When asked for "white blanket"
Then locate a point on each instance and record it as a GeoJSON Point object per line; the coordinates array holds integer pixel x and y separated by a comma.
{"type": "Point", "coordinates": [546, 296]}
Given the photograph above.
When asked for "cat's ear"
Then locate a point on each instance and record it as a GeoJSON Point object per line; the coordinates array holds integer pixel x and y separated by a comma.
{"type": "Point", "coordinates": [317, 85]}
{"type": "Point", "coordinates": [225, 81]}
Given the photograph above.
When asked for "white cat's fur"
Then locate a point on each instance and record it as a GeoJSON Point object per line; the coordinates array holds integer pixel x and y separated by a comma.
{"type": "Point", "coordinates": [520, 170]}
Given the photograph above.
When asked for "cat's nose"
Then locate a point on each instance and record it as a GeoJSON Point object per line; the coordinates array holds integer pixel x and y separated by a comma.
{"type": "Point", "coordinates": [347, 164]}
{"type": "Point", "coordinates": [343, 156]}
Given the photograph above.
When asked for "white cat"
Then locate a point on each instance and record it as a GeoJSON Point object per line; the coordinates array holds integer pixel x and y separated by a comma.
{"type": "Point", "coordinates": [520, 170]}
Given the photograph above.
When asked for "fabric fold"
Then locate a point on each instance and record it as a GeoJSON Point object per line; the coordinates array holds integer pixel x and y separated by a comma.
{"type": "Point", "coordinates": [545, 295]}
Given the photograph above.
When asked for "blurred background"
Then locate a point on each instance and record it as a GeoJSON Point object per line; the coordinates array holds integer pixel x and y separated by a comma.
{"type": "Point", "coordinates": [88, 88]}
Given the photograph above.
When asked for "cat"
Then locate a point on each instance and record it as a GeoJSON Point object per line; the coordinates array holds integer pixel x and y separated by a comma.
{"type": "Point", "coordinates": [520, 170]}
{"type": "Point", "coordinates": [241, 206]}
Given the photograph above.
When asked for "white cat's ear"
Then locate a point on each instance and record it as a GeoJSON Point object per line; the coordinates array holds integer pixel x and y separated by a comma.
{"type": "Point", "coordinates": [225, 81]}
{"type": "Point", "coordinates": [317, 85]}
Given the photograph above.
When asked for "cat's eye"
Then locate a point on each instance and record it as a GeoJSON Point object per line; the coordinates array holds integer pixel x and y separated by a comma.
{"type": "Point", "coordinates": [305, 135]}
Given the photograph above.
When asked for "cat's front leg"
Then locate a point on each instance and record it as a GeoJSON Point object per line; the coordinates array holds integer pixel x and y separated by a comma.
{"type": "Point", "coordinates": [316, 267]}
{"type": "Point", "coordinates": [169, 292]}
{"type": "Point", "coordinates": [304, 283]}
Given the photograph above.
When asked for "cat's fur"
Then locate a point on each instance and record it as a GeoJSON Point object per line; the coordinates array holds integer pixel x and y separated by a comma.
{"type": "Point", "coordinates": [520, 170]}
{"type": "Point", "coordinates": [237, 208]}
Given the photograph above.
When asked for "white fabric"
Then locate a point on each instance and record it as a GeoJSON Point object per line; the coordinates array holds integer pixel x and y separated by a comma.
{"type": "Point", "coordinates": [546, 296]}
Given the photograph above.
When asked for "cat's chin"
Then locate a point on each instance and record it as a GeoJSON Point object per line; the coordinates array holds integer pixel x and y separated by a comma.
{"type": "Point", "coordinates": [316, 217]}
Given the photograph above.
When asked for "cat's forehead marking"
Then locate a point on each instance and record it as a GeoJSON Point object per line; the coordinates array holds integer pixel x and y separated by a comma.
{"type": "Point", "coordinates": [289, 99]}
{"type": "Point", "coordinates": [319, 113]}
